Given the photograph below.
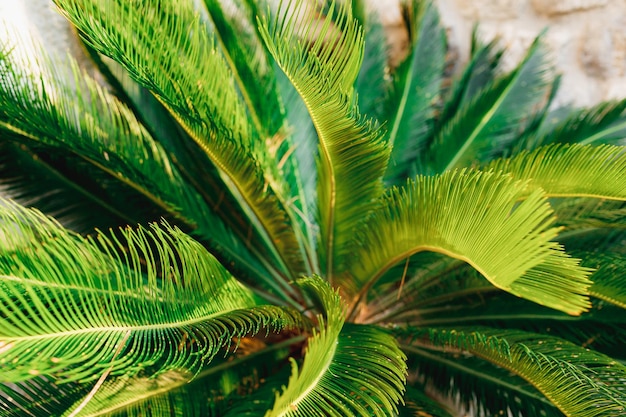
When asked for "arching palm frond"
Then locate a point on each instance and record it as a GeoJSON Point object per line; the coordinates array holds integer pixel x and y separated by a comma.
{"type": "Point", "coordinates": [570, 170]}
{"type": "Point", "coordinates": [145, 300]}
{"type": "Point", "coordinates": [338, 374]}
{"type": "Point", "coordinates": [474, 385]}
{"type": "Point", "coordinates": [475, 217]}
{"type": "Point", "coordinates": [352, 156]}
{"type": "Point", "coordinates": [578, 381]}
{"type": "Point", "coordinates": [196, 85]}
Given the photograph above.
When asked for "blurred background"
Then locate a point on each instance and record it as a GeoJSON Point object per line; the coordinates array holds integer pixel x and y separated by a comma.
{"type": "Point", "coordinates": [587, 37]}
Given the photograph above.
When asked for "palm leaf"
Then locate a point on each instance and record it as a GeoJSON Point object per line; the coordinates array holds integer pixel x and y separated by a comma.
{"type": "Point", "coordinates": [352, 157]}
{"type": "Point", "coordinates": [474, 217]}
{"type": "Point", "coordinates": [609, 283]}
{"type": "Point", "coordinates": [190, 67]}
{"type": "Point", "coordinates": [339, 374]}
{"type": "Point", "coordinates": [479, 72]}
{"type": "Point", "coordinates": [604, 123]}
{"type": "Point", "coordinates": [371, 84]}
{"type": "Point", "coordinates": [580, 382]}
{"type": "Point", "coordinates": [211, 393]}
{"type": "Point", "coordinates": [243, 50]}
{"type": "Point", "coordinates": [475, 385]}
{"type": "Point", "coordinates": [39, 396]}
{"type": "Point", "coordinates": [52, 182]}
{"type": "Point", "coordinates": [489, 123]}
{"type": "Point", "coordinates": [147, 300]}
{"type": "Point", "coordinates": [416, 87]}
{"type": "Point", "coordinates": [564, 170]}
{"type": "Point", "coordinates": [418, 404]}
{"type": "Point", "coordinates": [50, 113]}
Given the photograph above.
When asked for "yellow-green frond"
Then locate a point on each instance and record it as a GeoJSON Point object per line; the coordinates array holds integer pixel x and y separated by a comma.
{"type": "Point", "coordinates": [475, 217]}
{"type": "Point", "coordinates": [340, 374]}
{"type": "Point", "coordinates": [565, 170]}
{"type": "Point", "coordinates": [579, 381]}
{"type": "Point", "coordinates": [145, 300]}
{"type": "Point", "coordinates": [321, 57]}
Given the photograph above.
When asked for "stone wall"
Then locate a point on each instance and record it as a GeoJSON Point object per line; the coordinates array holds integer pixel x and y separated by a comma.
{"type": "Point", "coordinates": [587, 38]}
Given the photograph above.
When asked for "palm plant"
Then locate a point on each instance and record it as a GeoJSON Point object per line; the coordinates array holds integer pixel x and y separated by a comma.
{"type": "Point", "coordinates": [322, 234]}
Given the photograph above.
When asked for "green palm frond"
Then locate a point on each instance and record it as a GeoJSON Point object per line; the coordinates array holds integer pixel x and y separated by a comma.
{"type": "Point", "coordinates": [492, 120]}
{"type": "Point", "coordinates": [39, 396]}
{"type": "Point", "coordinates": [240, 43]}
{"type": "Point", "coordinates": [49, 112]}
{"type": "Point", "coordinates": [475, 385]}
{"type": "Point", "coordinates": [475, 217]}
{"type": "Point", "coordinates": [49, 179]}
{"type": "Point", "coordinates": [339, 375]}
{"type": "Point", "coordinates": [147, 299]}
{"type": "Point", "coordinates": [372, 85]}
{"type": "Point", "coordinates": [352, 156]}
{"type": "Point", "coordinates": [604, 123]}
{"type": "Point", "coordinates": [609, 282]}
{"type": "Point", "coordinates": [578, 381]}
{"type": "Point", "coordinates": [416, 89]}
{"type": "Point", "coordinates": [564, 170]}
{"type": "Point", "coordinates": [195, 84]}
{"type": "Point", "coordinates": [418, 404]}
{"type": "Point", "coordinates": [72, 115]}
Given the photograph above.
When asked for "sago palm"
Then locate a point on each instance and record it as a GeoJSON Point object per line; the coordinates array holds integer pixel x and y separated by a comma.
{"type": "Point", "coordinates": [255, 215]}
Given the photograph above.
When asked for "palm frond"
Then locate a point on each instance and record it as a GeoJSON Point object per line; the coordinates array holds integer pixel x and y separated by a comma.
{"type": "Point", "coordinates": [564, 170]}
{"type": "Point", "coordinates": [243, 50]}
{"type": "Point", "coordinates": [604, 123]}
{"type": "Point", "coordinates": [352, 157]}
{"type": "Point", "coordinates": [416, 87]}
{"type": "Point", "coordinates": [372, 84]}
{"type": "Point", "coordinates": [339, 374]}
{"type": "Point", "coordinates": [580, 382]}
{"type": "Point", "coordinates": [48, 111]}
{"type": "Point", "coordinates": [474, 385]}
{"type": "Point", "coordinates": [475, 217]}
{"type": "Point", "coordinates": [489, 123]}
{"type": "Point", "coordinates": [418, 404]}
{"type": "Point", "coordinates": [479, 72]}
{"type": "Point", "coordinates": [39, 397]}
{"type": "Point", "coordinates": [146, 300]}
{"type": "Point", "coordinates": [71, 115]}
{"type": "Point", "coordinates": [196, 85]}
{"type": "Point", "coordinates": [58, 184]}
{"type": "Point", "coordinates": [609, 282]}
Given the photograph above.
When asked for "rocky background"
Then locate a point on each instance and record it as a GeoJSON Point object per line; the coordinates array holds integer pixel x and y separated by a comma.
{"type": "Point", "coordinates": [587, 37]}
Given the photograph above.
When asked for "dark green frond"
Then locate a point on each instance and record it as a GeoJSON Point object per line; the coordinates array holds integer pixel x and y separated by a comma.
{"type": "Point", "coordinates": [605, 123]}
{"type": "Point", "coordinates": [240, 43]}
{"type": "Point", "coordinates": [580, 382]}
{"type": "Point", "coordinates": [476, 385]}
{"type": "Point", "coordinates": [352, 157]}
{"type": "Point", "coordinates": [372, 84]}
{"type": "Point", "coordinates": [475, 217]}
{"type": "Point", "coordinates": [410, 109]}
{"type": "Point", "coordinates": [478, 73]}
{"type": "Point", "coordinates": [418, 404]}
{"type": "Point", "coordinates": [146, 300]}
{"type": "Point", "coordinates": [490, 122]}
